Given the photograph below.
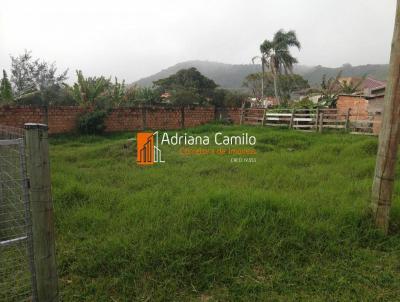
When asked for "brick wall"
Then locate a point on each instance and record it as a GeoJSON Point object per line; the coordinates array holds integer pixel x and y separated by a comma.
{"type": "Point", "coordinates": [164, 118]}
{"type": "Point", "coordinates": [124, 119]}
{"type": "Point", "coordinates": [62, 119]}
{"type": "Point", "coordinates": [17, 116]}
{"type": "Point", "coordinates": [358, 106]}
{"type": "Point", "coordinates": [194, 116]}
{"type": "Point", "coordinates": [232, 114]}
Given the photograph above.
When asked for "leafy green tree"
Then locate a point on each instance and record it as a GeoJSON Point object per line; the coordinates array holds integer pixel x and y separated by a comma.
{"type": "Point", "coordinates": [228, 98]}
{"type": "Point", "coordinates": [234, 98]}
{"type": "Point", "coordinates": [187, 79]}
{"type": "Point", "coordinates": [186, 96]}
{"type": "Point", "coordinates": [277, 55]}
{"type": "Point", "coordinates": [255, 83]}
{"type": "Point", "coordinates": [287, 84]}
{"type": "Point", "coordinates": [6, 94]}
{"type": "Point", "coordinates": [34, 78]}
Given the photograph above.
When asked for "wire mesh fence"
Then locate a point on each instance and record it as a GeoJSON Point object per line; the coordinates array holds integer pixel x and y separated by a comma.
{"type": "Point", "coordinates": [17, 277]}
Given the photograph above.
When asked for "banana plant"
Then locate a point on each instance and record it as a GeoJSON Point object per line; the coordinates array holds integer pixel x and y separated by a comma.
{"type": "Point", "coordinates": [87, 91]}
{"type": "Point", "coordinates": [349, 87]}
{"type": "Point", "coordinates": [117, 93]}
{"type": "Point", "coordinates": [330, 90]}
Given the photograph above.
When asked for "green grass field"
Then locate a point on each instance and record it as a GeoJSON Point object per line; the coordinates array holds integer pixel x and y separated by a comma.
{"type": "Point", "coordinates": [291, 227]}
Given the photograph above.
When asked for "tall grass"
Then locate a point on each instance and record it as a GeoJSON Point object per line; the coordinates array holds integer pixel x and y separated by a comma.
{"type": "Point", "coordinates": [290, 227]}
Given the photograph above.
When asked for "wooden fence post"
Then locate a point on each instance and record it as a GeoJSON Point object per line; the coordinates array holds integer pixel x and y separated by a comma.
{"type": "Point", "coordinates": [347, 124]}
{"type": "Point", "coordinates": [263, 119]}
{"type": "Point", "coordinates": [316, 119]}
{"type": "Point", "coordinates": [336, 119]}
{"type": "Point", "coordinates": [291, 118]}
{"type": "Point", "coordinates": [321, 121]}
{"type": "Point", "coordinates": [42, 212]}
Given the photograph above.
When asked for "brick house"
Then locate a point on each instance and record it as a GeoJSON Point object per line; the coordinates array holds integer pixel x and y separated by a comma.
{"type": "Point", "coordinates": [361, 106]}
{"type": "Point", "coordinates": [365, 105]}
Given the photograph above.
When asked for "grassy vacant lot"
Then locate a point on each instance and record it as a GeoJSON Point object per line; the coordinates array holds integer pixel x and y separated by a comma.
{"type": "Point", "coordinates": [291, 227]}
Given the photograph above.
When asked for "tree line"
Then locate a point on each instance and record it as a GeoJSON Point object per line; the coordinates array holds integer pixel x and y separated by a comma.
{"type": "Point", "coordinates": [36, 82]}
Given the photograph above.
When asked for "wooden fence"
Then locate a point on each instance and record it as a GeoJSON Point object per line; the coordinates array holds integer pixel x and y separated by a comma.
{"type": "Point", "coordinates": [312, 120]}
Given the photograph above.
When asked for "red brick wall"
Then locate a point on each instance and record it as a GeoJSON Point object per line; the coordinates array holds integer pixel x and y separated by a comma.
{"type": "Point", "coordinates": [232, 114]}
{"type": "Point", "coordinates": [358, 106]}
{"type": "Point", "coordinates": [124, 119]}
{"type": "Point", "coordinates": [17, 116]}
{"type": "Point", "coordinates": [195, 116]}
{"type": "Point", "coordinates": [62, 119]}
{"type": "Point", "coordinates": [163, 118]}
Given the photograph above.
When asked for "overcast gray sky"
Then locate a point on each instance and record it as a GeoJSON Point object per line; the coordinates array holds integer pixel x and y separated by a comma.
{"type": "Point", "coordinates": [133, 39]}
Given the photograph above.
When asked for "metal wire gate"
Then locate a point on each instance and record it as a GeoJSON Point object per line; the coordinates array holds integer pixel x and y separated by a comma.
{"type": "Point", "coordinates": [17, 272]}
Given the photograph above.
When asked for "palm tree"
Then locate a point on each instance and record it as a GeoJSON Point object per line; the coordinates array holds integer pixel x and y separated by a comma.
{"type": "Point", "coordinates": [277, 55]}
{"type": "Point", "coordinates": [263, 59]}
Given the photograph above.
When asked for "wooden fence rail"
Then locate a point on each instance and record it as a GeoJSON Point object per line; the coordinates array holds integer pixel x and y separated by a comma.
{"type": "Point", "coordinates": [312, 120]}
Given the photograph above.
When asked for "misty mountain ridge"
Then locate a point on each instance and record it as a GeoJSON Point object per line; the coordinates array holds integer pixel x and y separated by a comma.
{"type": "Point", "coordinates": [231, 76]}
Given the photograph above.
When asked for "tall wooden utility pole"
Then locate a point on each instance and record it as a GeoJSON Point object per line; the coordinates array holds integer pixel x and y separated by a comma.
{"type": "Point", "coordinates": [382, 188]}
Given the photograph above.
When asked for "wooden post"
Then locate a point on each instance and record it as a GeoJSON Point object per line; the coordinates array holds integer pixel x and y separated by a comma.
{"type": "Point", "coordinates": [242, 111]}
{"type": "Point", "coordinates": [291, 119]}
{"type": "Point", "coordinates": [263, 119]}
{"type": "Point", "coordinates": [42, 212]}
{"type": "Point", "coordinates": [382, 187]}
{"type": "Point", "coordinates": [321, 121]}
{"type": "Point", "coordinates": [347, 124]}
{"type": "Point", "coordinates": [316, 119]}
{"type": "Point", "coordinates": [336, 119]}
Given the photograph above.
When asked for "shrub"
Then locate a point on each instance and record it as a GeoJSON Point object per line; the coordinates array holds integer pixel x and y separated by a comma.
{"type": "Point", "coordinates": [305, 103]}
{"type": "Point", "coordinates": [187, 96]}
{"type": "Point", "coordinates": [92, 122]}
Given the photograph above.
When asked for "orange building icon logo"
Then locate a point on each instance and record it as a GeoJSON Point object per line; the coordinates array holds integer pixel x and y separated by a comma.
{"type": "Point", "coordinates": [148, 152]}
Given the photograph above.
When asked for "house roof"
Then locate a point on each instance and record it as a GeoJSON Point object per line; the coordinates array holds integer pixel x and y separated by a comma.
{"type": "Point", "coordinates": [367, 83]}
{"type": "Point", "coordinates": [371, 83]}
{"type": "Point", "coordinates": [380, 96]}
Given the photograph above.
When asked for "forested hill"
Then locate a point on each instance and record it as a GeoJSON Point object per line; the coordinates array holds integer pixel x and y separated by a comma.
{"type": "Point", "coordinates": [231, 75]}
{"type": "Point", "coordinates": [377, 71]}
